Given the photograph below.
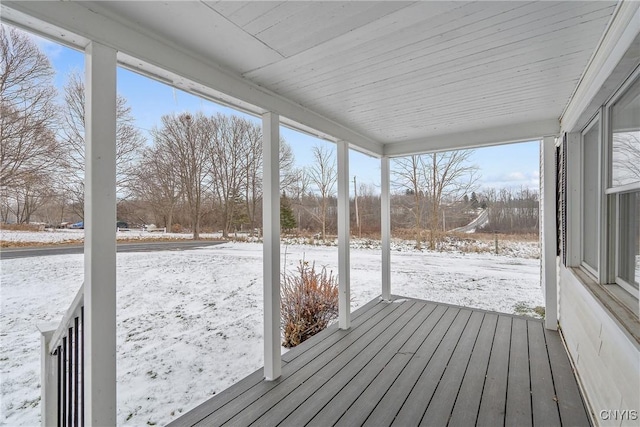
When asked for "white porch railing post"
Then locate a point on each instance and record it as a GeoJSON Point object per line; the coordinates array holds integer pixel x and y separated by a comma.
{"type": "Point", "coordinates": [48, 376]}
{"type": "Point", "coordinates": [385, 222]}
{"type": "Point", "coordinates": [271, 244]}
{"type": "Point", "coordinates": [100, 236]}
{"type": "Point", "coordinates": [548, 231]}
{"type": "Point", "coordinates": [344, 267]}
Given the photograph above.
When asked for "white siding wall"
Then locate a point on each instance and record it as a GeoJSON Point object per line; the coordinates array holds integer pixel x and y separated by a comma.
{"type": "Point", "coordinates": [607, 361]}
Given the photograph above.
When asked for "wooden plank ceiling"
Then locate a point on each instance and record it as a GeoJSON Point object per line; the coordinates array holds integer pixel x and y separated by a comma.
{"type": "Point", "coordinates": [392, 71]}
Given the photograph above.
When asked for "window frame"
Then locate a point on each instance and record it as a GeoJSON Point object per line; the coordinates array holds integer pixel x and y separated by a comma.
{"type": "Point", "coordinates": [594, 272]}
{"type": "Point", "coordinates": [613, 194]}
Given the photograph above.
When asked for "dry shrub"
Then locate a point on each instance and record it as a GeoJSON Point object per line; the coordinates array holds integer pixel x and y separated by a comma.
{"type": "Point", "coordinates": [309, 302]}
{"type": "Point", "coordinates": [176, 228]}
{"type": "Point", "coordinates": [22, 227]}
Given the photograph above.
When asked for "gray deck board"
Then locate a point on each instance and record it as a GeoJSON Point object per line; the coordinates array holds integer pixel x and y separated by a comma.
{"type": "Point", "coordinates": [543, 398]}
{"type": "Point", "coordinates": [335, 375]}
{"type": "Point", "coordinates": [410, 363]}
{"type": "Point", "coordinates": [355, 343]}
{"type": "Point", "coordinates": [366, 401]}
{"type": "Point", "coordinates": [467, 404]}
{"type": "Point", "coordinates": [570, 403]}
{"type": "Point", "coordinates": [418, 400]}
{"type": "Point", "coordinates": [519, 381]}
{"type": "Point", "coordinates": [386, 410]}
{"type": "Point", "coordinates": [494, 395]}
{"type": "Point", "coordinates": [358, 373]}
{"type": "Point", "coordinates": [439, 409]}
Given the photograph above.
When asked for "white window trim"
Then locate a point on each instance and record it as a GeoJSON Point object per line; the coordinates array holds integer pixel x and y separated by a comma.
{"type": "Point", "coordinates": [586, 267]}
{"type": "Point", "coordinates": [614, 193]}
{"type": "Point", "coordinates": [629, 188]}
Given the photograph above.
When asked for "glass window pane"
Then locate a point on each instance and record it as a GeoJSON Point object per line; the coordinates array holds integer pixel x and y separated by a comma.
{"type": "Point", "coordinates": [590, 197]}
{"type": "Point", "coordinates": [625, 124]}
{"type": "Point", "coordinates": [629, 238]}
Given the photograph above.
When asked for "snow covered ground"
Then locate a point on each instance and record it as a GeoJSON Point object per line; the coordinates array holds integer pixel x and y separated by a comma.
{"type": "Point", "coordinates": [190, 322]}
{"type": "Point", "coordinates": [64, 235]}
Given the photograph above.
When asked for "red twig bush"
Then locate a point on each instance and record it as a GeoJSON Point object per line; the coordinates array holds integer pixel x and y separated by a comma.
{"type": "Point", "coordinates": [309, 302]}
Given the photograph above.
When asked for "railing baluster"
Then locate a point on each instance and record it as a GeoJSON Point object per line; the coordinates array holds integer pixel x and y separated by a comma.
{"type": "Point", "coordinates": [70, 378]}
{"type": "Point", "coordinates": [59, 351]}
{"type": "Point", "coordinates": [72, 384]}
{"type": "Point", "coordinates": [63, 379]}
{"type": "Point", "coordinates": [82, 363]}
{"type": "Point", "coordinates": [76, 344]}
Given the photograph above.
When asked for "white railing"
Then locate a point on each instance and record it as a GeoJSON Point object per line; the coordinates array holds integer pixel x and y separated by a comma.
{"type": "Point", "coordinates": [62, 353]}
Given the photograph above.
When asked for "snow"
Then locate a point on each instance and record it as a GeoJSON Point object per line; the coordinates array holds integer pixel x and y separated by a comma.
{"type": "Point", "coordinates": [55, 236]}
{"type": "Point", "coordinates": [189, 323]}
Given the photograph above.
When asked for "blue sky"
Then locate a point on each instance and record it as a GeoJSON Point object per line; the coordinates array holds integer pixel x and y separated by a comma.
{"type": "Point", "coordinates": [514, 165]}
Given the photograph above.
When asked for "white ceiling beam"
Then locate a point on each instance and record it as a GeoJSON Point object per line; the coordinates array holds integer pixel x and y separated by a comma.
{"type": "Point", "coordinates": [517, 132]}
{"type": "Point", "coordinates": [623, 29]}
{"type": "Point", "coordinates": [48, 18]}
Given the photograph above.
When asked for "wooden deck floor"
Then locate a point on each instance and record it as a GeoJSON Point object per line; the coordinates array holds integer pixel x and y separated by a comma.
{"type": "Point", "coordinates": [410, 363]}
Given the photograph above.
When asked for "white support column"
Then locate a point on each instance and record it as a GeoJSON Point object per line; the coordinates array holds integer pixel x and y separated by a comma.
{"type": "Point", "coordinates": [100, 235]}
{"type": "Point", "coordinates": [271, 244]}
{"type": "Point", "coordinates": [48, 376]}
{"type": "Point", "coordinates": [385, 221]}
{"type": "Point", "coordinates": [548, 231]}
{"type": "Point", "coordinates": [344, 266]}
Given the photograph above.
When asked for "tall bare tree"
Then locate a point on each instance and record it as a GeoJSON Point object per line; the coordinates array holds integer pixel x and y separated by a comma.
{"type": "Point", "coordinates": [449, 175]}
{"type": "Point", "coordinates": [432, 178]}
{"type": "Point", "coordinates": [322, 175]}
{"type": "Point", "coordinates": [186, 139]}
{"type": "Point", "coordinates": [28, 114]}
{"type": "Point", "coordinates": [129, 140]}
{"type": "Point", "coordinates": [230, 152]}
{"type": "Point", "coordinates": [409, 177]}
{"type": "Point", "coordinates": [158, 183]}
{"type": "Point", "coordinates": [25, 199]}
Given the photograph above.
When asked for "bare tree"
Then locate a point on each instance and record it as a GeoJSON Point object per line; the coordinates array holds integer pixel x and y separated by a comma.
{"type": "Point", "coordinates": [297, 192]}
{"type": "Point", "coordinates": [449, 175]}
{"type": "Point", "coordinates": [27, 110]}
{"type": "Point", "coordinates": [158, 183]}
{"type": "Point", "coordinates": [511, 211]}
{"type": "Point", "coordinates": [409, 177]}
{"type": "Point", "coordinates": [186, 139]}
{"type": "Point", "coordinates": [322, 174]}
{"type": "Point", "coordinates": [129, 140]}
{"type": "Point", "coordinates": [625, 157]}
{"type": "Point", "coordinates": [230, 151]}
{"type": "Point", "coordinates": [432, 178]}
{"type": "Point", "coordinates": [25, 199]}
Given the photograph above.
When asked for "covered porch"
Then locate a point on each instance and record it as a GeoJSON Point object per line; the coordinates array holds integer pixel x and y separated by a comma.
{"type": "Point", "coordinates": [387, 79]}
{"type": "Point", "coordinates": [411, 362]}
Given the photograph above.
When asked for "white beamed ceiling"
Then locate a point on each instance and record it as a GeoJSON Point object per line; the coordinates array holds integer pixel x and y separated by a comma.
{"type": "Point", "coordinates": [394, 72]}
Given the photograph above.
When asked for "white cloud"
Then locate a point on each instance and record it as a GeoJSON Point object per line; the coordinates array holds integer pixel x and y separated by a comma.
{"type": "Point", "coordinates": [512, 179]}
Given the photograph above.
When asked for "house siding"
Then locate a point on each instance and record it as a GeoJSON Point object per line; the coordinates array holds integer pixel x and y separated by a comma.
{"type": "Point", "coordinates": [607, 361]}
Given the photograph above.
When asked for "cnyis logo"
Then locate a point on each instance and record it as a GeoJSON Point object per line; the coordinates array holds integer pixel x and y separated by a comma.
{"type": "Point", "coordinates": [619, 414]}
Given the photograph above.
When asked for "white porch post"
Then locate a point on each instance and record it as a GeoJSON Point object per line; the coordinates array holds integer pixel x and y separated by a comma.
{"type": "Point", "coordinates": [271, 244]}
{"type": "Point", "coordinates": [385, 222]}
{"type": "Point", "coordinates": [344, 267]}
{"type": "Point", "coordinates": [100, 235]}
{"type": "Point", "coordinates": [548, 231]}
{"type": "Point", "coordinates": [48, 376]}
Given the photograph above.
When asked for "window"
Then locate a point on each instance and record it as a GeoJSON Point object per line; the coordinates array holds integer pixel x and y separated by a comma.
{"type": "Point", "coordinates": [623, 189]}
{"type": "Point", "coordinates": [628, 242]}
{"type": "Point", "coordinates": [590, 195]}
